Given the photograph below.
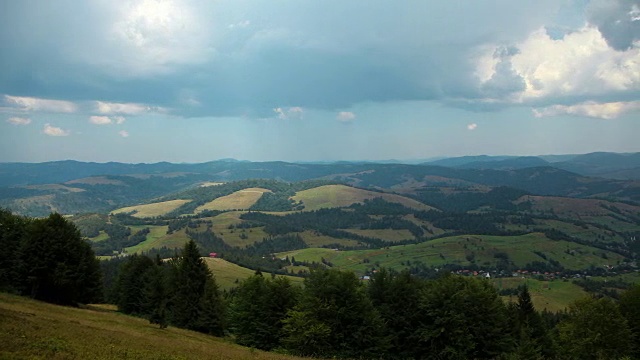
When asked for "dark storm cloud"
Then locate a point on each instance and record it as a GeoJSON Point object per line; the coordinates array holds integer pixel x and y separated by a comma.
{"type": "Point", "coordinates": [617, 20]}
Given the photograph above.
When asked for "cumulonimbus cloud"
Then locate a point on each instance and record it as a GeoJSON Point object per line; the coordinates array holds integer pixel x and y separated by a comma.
{"type": "Point", "coordinates": [19, 121]}
{"type": "Point", "coordinates": [54, 131]}
{"type": "Point", "coordinates": [581, 64]}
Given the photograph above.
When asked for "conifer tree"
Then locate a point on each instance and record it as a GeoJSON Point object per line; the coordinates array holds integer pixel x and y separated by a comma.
{"type": "Point", "coordinates": [155, 295]}
{"type": "Point", "coordinates": [194, 304]}
{"type": "Point", "coordinates": [131, 283]}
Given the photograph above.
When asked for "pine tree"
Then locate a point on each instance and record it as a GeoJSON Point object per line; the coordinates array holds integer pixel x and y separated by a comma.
{"type": "Point", "coordinates": [131, 284]}
{"type": "Point", "coordinates": [155, 295]}
{"type": "Point", "coordinates": [196, 303]}
{"type": "Point", "coordinates": [212, 320]}
{"type": "Point", "coordinates": [12, 229]}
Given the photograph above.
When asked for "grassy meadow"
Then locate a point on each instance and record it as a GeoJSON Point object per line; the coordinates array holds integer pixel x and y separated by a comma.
{"type": "Point", "coordinates": [553, 295]}
{"type": "Point", "coordinates": [154, 209]}
{"type": "Point", "coordinates": [329, 196]}
{"type": "Point", "coordinates": [239, 200]}
{"type": "Point", "coordinates": [31, 329]}
{"type": "Point", "coordinates": [228, 274]}
{"type": "Point", "coordinates": [458, 249]}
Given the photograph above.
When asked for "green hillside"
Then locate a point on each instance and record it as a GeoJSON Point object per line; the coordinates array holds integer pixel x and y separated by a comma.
{"type": "Point", "coordinates": [229, 274]}
{"type": "Point", "coordinates": [31, 329]}
{"type": "Point", "coordinates": [464, 250]}
{"type": "Point", "coordinates": [329, 196]}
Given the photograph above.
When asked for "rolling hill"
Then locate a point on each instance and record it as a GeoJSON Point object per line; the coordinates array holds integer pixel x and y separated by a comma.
{"type": "Point", "coordinates": [330, 196]}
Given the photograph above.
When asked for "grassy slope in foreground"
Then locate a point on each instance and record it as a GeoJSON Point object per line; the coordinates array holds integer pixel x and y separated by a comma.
{"type": "Point", "coordinates": [35, 330]}
{"type": "Point", "coordinates": [329, 196]}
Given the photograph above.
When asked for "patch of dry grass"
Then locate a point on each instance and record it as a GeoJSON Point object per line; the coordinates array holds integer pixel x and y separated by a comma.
{"type": "Point", "coordinates": [239, 200]}
{"type": "Point", "coordinates": [151, 210]}
{"type": "Point", "coordinates": [329, 196]}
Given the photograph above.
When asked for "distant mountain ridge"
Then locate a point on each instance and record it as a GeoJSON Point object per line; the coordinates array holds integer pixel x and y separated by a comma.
{"type": "Point", "coordinates": [600, 164]}
{"type": "Point", "coordinates": [72, 186]}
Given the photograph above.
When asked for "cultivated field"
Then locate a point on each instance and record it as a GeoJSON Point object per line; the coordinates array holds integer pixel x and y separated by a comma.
{"type": "Point", "coordinates": [329, 196]}
{"type": "Point", "coordinates": [239, 200]}
{"type": "Point", "coordinates": [151, 210]}
{"type": "Point", "coordinates": [34, 330]}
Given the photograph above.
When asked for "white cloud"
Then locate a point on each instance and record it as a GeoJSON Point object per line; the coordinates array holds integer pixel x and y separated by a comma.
{"type": "Point", "coordinates": [100, 120]}
{"type": "Point", "coordinates": [119, 119]}
{"type": "Point", "coordinates": [579, 64]}
{"type": "Point", "coordinates": [19, 121]}
{"type": "Point", "coordinates": [122, 108]}
{"type": "Point", "coordinates": [153, 36]}
{"type": "Point", "coordinates": [346, 116]}
{"type": "Point", "coordinates": [37, 104]}
{"type": "Point", "coordinates": [54, 131]}
{"type": "Point", "coordinates": [591, 109]}
{"type": "Point", "coordinates": [123, 133]}
{"type": "Point", "coordinates": [295, 112]}
{"type": "Point", "coordinates": [472, 126]}
{"type": "Point", "coordinates": [241, 24]}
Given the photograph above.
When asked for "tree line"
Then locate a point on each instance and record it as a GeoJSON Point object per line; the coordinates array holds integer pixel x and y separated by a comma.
{"type": "Point", "coordinates": [394, 315]}
{"type": "Point", "coordinates": [47, 259]}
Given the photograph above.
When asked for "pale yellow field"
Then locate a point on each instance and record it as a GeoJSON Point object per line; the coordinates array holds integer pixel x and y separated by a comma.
{"type": "Point", "coordinates": [329, 196]}
{"type": "Point", "coordinates": [151, 210]}
{"type": "Point", "coordinates": [239, 200]}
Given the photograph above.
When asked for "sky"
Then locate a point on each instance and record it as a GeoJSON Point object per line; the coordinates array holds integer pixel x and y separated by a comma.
{"type": "Point", "coordinates": [300, 80]}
